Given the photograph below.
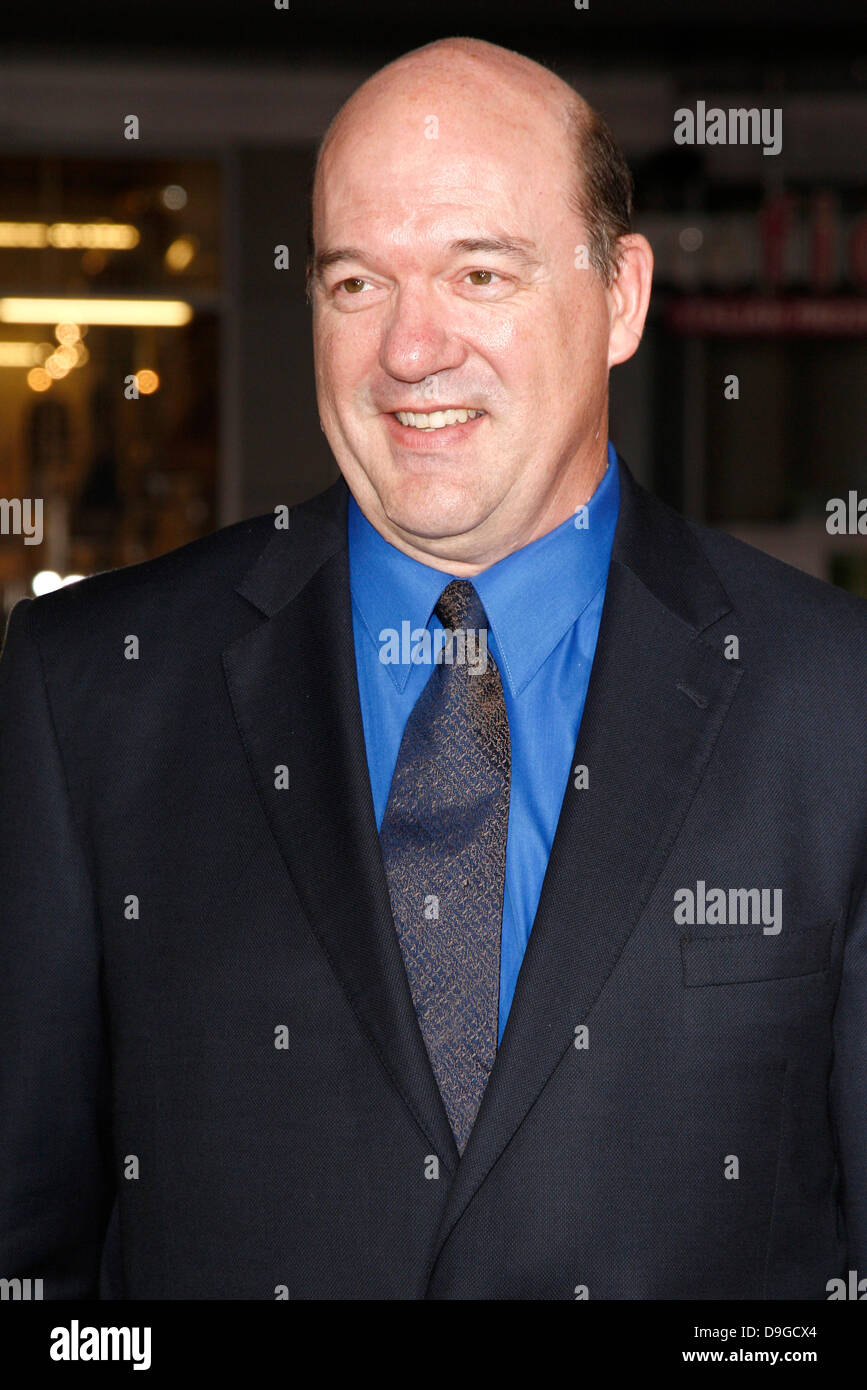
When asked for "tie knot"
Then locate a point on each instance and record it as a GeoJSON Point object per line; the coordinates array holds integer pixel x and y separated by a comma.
{"type": "Point", "coordinates": [459, 606]}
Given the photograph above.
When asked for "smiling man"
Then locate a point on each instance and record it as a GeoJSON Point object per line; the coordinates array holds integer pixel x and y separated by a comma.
{"type": "Point", "coordinates": [454, 271]}
{"type": "Point", "coordinates": [339, 965]}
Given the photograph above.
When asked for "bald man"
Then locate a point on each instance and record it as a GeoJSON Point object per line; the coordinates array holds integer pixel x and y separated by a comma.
{"type": "Point", "coordinates": [460, 893]}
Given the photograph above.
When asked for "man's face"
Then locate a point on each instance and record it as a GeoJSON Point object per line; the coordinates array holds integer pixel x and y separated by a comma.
{"type": "Point", "coordinates": [457, 289]}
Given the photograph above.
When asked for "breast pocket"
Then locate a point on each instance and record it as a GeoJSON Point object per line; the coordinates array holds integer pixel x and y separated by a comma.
{"type": "Point", "coordinates": [736, 959]}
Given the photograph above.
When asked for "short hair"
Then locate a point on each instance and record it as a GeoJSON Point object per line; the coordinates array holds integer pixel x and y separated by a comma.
{"type": "Point", "coordinates": [603, 190]}
{"type": "Point", "coordinates": [601, 195]}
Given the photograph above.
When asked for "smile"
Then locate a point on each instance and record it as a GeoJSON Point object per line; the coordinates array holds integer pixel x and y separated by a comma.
{"type": "Point", "coordinates": [437, 419]}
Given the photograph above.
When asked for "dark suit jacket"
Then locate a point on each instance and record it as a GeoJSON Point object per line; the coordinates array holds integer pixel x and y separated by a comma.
{"type": "Point", "coordinates": [213, 1081]}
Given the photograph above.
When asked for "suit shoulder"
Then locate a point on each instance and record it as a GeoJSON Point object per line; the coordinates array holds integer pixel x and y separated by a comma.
{"type": "Point", "coordinates": [761, 585]}
{"type": "Point", "coordinates": [189, 593]}
{"type": "Point", "coordinates": [185, 591]}
{"type": "Point", "coordinates": [205, 567]}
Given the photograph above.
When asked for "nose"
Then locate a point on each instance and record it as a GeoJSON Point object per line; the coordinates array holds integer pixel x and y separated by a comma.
{"type": "Point", "coordinates": [417, 340]}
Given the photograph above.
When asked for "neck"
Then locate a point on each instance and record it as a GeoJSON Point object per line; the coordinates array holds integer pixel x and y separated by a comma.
{"type": "Point", "coordinates": [468, 555]}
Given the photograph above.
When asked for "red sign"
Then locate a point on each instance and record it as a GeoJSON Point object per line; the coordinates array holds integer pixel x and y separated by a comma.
{"type": "Point", "coordinates": [755, 315]}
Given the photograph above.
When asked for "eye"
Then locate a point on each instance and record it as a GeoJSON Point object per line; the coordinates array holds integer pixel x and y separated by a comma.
{"type": "Point", "coordinates": [483, 282]}
{"type": "Point", "coordinates": [353, 285]}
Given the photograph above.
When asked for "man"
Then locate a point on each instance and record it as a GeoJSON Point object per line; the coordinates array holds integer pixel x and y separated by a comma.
{"type": "Point", "coordinates": [459, 894]}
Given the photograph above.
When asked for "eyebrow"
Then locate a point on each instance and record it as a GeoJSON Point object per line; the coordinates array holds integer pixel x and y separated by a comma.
{"type": "Point", "coordinates": [525, 252]}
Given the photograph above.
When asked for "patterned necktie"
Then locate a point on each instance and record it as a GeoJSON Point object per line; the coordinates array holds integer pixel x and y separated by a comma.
{"type": "Point", "coordinates": [443, 838]}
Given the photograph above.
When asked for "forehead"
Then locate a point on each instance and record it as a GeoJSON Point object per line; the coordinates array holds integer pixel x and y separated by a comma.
{"type": "Point", "coordinates": [407, 165]}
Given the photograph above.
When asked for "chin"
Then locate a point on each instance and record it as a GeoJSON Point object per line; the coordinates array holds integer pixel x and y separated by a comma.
{"type": "Point", "coordinates": [433, 509]}
{"type": "Point", "coordinates": [429, 524]}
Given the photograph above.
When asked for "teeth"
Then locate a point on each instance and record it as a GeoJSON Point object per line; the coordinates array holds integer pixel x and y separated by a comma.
{"type": "Point", "coordinates": [437, 419]}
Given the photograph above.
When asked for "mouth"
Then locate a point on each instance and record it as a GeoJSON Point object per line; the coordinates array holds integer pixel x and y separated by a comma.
{"type": "Point", "coordinates": [427, 431]}
{"type": "Point", "coordinates": [436, 419]}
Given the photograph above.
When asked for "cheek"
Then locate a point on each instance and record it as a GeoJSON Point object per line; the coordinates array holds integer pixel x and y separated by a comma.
{"type": "Point", "coordinates": [332, 389]}
{"type": "Point", "coordinates": [582, 354]}
{"type": "Point", "coordinates": [497, 337]}
{"type": "Point", "coordinates": [344, 350]}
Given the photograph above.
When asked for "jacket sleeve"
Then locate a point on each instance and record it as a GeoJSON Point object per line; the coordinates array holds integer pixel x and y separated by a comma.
{"type": "Point", "coordinates": [55, 1186]}
{"type": "Point", "coordinates": [849, 1083]}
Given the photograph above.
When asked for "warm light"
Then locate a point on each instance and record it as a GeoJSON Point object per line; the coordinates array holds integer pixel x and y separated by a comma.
{"type": "Point", "coordinates": [67, 332]}
{"type": "Point", "coordinates": [45, 582]}
{"type": "Point", "coordinates": [70, 579]}
{"type": "Point", "coordinates": [70, 236]}
{"type": "Point", "coordinates": [67, 357]}
{"type": "Point", "coordinates": [147, 381]}
{"type": "Point", "coordinates": [56, 369]}
{"type": "Point", "coordinates": [181, 252]}
{"type": "Point", "coordinates": [56, 360]}
{"type": "Point", "coordinates": [93, 236]}
{"type": "Point", "coordinates": [23, 234]}
{"type": "Point", "coordinates": [38, 379]}
{"type": "Point", "coordinates": [166, 313]}
{"type": "Point", "coordinates": [19, 354]}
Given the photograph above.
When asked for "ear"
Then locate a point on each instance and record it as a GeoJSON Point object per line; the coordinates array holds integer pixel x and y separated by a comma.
{"type": "Point", "coordinates": [628, 297]}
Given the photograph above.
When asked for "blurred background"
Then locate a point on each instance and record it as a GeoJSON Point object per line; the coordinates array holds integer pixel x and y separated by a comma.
{"type": "Point", "coordinates": [156, 377]}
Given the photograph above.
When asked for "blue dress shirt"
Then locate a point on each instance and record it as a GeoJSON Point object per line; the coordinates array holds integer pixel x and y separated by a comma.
{"type": "Point", "coordinates": [543, 604]}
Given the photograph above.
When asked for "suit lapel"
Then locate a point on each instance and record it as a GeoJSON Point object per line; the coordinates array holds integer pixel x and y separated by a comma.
{"type": "Point", "coordinates": [656, 701]}
{"type": "Point", "coordinates": [293, 686]}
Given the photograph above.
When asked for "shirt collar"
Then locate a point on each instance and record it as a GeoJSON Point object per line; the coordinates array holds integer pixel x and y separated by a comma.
{"type": "Point", "coordinates": [567, 565]}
